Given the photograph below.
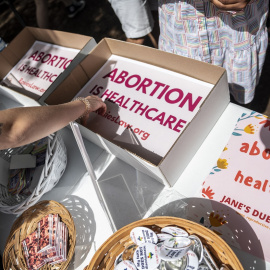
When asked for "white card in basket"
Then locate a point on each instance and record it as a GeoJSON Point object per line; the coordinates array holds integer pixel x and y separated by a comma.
{"type": "Point", "coordinates": [22, 161]}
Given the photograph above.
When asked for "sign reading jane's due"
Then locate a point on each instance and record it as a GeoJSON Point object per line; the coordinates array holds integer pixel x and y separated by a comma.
{"type": "Point", "coordinates": [148, 107]}
{"type": "Point", "coordinates": [39, 67]}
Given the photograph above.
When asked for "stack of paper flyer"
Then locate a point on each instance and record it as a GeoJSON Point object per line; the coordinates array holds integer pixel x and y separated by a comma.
{"type": "Point", "coordinates": [47, 244]}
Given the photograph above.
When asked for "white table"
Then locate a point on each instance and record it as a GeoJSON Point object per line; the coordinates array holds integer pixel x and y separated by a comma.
{"type": "Point", "coordinates": [129, 194]}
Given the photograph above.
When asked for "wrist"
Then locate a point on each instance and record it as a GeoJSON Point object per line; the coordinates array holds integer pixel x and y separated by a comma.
{"type": "Point", "coordinates": [86, 103]}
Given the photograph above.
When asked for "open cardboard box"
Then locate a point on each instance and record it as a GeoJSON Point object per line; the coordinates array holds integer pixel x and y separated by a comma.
{"type": "Point", "coordinates": [18, 47]}
{"type": "Point", "coordinates": [169, 169]}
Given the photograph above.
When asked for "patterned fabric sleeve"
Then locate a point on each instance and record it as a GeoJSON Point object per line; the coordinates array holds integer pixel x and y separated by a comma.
{"type": "Point", "coordinates": [236, 41]}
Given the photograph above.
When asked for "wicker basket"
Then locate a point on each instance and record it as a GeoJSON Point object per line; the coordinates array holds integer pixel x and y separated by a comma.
{"type": "Point", "coordinates": [105, 256]}
{"type": "Point", "coordinates": [13, 257]}
{"type": "Point", "coordinates": [53, 169]}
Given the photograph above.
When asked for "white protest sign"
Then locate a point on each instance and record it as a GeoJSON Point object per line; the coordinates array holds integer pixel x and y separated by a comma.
{"type": "Point", "coordinates": [39, 67]}
{"type": "Point", "coordinates": [147, 107]}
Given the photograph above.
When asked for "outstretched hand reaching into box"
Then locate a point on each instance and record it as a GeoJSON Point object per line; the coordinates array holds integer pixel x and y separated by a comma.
{"type": "Point", "coordinates": [20, 126]}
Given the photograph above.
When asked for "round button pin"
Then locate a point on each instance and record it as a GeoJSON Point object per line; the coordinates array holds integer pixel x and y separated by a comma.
{"type": "Point", "coordinates": [192, 261]}
{"type": "Point", "coordinates": [146, 256]}
{"type": "Point", "coordinates": [125, 265]}
{"type": "Point", "coordinates": [175, 231]}
{"type": "Point", "coordinates": [177, 243]}
{"type": "Point", "coordinates": [171, 254]}
{"type": "Point", "coordinates": [140, 235]}
{"type": "Point", "coordinates": [163, 236]}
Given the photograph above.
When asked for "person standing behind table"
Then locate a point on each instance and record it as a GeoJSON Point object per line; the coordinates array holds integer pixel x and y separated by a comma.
{"type": "Point", "coordinates": [136, 20]}
{"type": "Point", "coordinates": [24, 125]}
{"type": "Point", "coordinates": [231, 34]}
{"type": "Point", "coordinates": [42, 10]}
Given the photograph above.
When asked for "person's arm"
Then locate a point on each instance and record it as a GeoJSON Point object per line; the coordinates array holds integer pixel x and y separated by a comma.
{"type": "Point", "coordinates": [230, 5]}
{"type": "Point", "coordinates": [20, 126]}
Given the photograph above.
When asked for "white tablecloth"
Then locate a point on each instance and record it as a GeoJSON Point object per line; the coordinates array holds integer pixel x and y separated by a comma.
{"type": "Point", "coordinates": [129, 194]}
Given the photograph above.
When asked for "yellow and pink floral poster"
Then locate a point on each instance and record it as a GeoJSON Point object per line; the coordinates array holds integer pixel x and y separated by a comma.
{"type": "Point", "coordinates": [240, 180]}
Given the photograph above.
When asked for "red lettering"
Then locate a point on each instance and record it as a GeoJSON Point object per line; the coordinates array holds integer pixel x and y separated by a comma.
{"type": "Point", "coordinates": [60, 60]}
{"type": "Point", "coordinates": [239, 174]}
{"type": "Point", "coordinates": [107, 94]}
{"type": "Point", "coordinates": [67, 64]}
{"type": "Point", "coordinates": [147, 113]}
{"type": "Point", "coordinates": [171, 119]}
{"type": "Point", "coordinates": [140, 108]}
{"type": "Point", "coordinates": [255, 213]}
{"type": "Point", "coordinates": [39, 56]}
{"type": "Point", "coordinates": [248, 181]}
{"type": "Point", "coordinates": [51, 78]}
{"type": "Point", "coordinates": [33, 55]}
{"type": "Point", "coordinates": [138, 79]}
{"type": "Point", "coordinates": [65, 59]}
{"type": "Point", "coordinates": [160, 118]}
{"type": "Point", "coordinates": [266, 154]}
{"type": "Point", "coordinates": [135, 102]}
{"type": "Point", "coordinates": [163, 92]}
{"type": "Point", "coordinates": [113, 96]}
{"type": "Point", "coordinates": [254, 151]}
{"type": "Point", "coordinates": [240, 206]}
{"type": "Point", "coordinates": [121, 77]}
{"type": "Point", "coordinates": [120, 100]}
{"type": "Point", "coordinates": [111, 74]}
{"type": "Point", "coordinates": [144, 84]}
{"type": "Point", "coordinates": [44, 60]}
{"type": "Point", "coordinates": [97, 91]}
{"type": "Point", "coordinates": [191, 106]}
{"type": "Point", "coordinates": [158, 84]}
{"type": "Point", "coordinates": [244, 147]}
{"type": "Point", "coordinates": [179, 125]}
{"type": "Point", "coordinates": [55, 57]}
{"type": "Point", "coordinates": [179, 92]}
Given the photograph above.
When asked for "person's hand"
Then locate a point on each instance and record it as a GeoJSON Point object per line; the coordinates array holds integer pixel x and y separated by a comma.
{"type": "Point", "coordinates": [230, 5]}
{"type": "Point", "coordinates": [97, 105]}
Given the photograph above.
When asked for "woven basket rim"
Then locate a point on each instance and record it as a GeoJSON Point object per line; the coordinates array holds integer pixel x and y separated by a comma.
{"type": "Point", "coordinates": [31, 214]}
{"type": "Point", "coordinates": [107, 245]}
{"type": "Point", "coordinates": [31, 199]}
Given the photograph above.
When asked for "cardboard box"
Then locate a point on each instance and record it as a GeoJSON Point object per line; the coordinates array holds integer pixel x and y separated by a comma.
{"type": "Point", "coordinates": [147, 107]}
{"type": "Point", "coordinates": [21, 44]}
{"type": "Point", "coordinates": [172, 164]}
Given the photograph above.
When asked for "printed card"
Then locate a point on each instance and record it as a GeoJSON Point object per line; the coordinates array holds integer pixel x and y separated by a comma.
{"type": "Point", "coordinates": [54, 229]}
{"type": "Point", "coordinates": [30, 246]}
{"type": "Point", "coordinates": [60, 243]}
{"type": "Point", "coordinates": [240, 182]}
{"type": "Point", "coordinates": [39, 67]}
{"type": "Point", "coordinates": [47, 244]}
{"type": "Point", "coordinates": [45, 230]}
{"type": "Point", "coordinates": [30, 243]}
{"type": "Point", "coordinates": [49, 254]}
{"type": "Point", "coordinates": [144, 102]}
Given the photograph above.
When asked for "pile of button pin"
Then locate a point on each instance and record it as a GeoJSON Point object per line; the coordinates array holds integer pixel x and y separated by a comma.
{"type": "Point", "coordinates": [168, 248]}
